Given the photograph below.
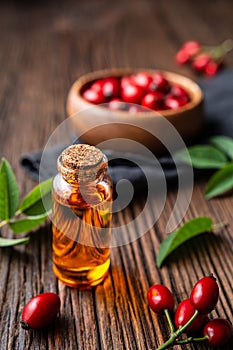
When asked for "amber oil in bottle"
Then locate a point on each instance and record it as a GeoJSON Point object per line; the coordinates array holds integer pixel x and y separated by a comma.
{"type": "Point", "coordinates": [81, 216]}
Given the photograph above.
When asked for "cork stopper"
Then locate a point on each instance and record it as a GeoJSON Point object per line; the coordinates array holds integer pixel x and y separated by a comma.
{"type": "Point", "coordinates": [81, 163]}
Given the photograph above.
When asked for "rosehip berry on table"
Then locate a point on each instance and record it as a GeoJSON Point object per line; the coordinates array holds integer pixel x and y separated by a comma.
{"type": "Point", "coordinates": [132, 93]}
{"type": "Point", "coordinates": [160, 298]}
{"type": "Point", "coordinates": [153, 100]}
{"type": "Point", "coordinates": [94, 96]}
{"type": "Point", "coordinates": [40, 311]}
{"type": "Point", "coordinates": [204, 295]}
{"type": "Point", "coordinates": [219, 331]}
{"type": "Point", "coordinates": [183, 314]}
{"type": "Point", "coordinates": [142, 79]}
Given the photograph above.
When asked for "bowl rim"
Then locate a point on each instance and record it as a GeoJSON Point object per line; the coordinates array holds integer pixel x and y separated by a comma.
{"type": "Point", "coordinates": [195, 91]}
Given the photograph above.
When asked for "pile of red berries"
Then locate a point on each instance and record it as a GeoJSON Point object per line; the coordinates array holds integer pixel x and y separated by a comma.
{"type": "Point", "coordinates": [203, 59]}
{"type": "Point", "coordinates": [191, 315]}
{"type": "Point", "coordinates": [146, 91]}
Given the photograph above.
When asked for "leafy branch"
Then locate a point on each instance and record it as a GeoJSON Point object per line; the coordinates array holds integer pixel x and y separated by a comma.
{"type": "Point", "coordinates": [22, 217]}
{"type": "Point", "coordinates": [218, 155]}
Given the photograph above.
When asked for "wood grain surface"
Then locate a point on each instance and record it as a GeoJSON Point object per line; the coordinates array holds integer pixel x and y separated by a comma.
{"type": "Point", "coordinates": [45, 46]}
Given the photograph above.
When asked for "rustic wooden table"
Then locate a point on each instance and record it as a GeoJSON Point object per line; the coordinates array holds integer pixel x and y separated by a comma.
{"type": "Point", "coordinates": [45, 46]}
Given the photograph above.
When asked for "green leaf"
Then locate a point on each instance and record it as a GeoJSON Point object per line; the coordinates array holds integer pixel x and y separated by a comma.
{"type": "Point", "coordinates": [27, 224]}
{"type": "Point", "coordinates": [220, 182]}
{"type": "Point", "coordinates": [9, 191]}
{"type": "Point", "coordinates": [224, 143]}
{"type": "Point", "coordinates": [189, 230]}
{"type": "Point", "coordinates": [7, 242]}
{"type": "Point", "coordinates": [33, 203]}
{"type": "Point", "coordinates": [203, 157]}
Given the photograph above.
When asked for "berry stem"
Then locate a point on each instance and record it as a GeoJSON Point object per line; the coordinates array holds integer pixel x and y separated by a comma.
{"type": "Point", "coordinates": [220, 225]}
{"type": "Point", "coordinates": [190, 340]}
{"type": "Point", "coordinates": [217, 52]}
{"type": "Point", "coordinates": [179, 331]}
{"type": "Point", "coordinates": [3, 223]}
{"type": "Point", "coordinates": [171, 326]}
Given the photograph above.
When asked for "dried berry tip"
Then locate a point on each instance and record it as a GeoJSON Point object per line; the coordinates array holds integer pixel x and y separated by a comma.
{"type": "Point", "coordinates": [212, 276]}
{"type": "Point", "coordinates": [24, 325]}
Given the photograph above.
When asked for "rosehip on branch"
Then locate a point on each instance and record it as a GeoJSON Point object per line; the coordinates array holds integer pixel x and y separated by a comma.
{"type": "Point", "coordinates": [204, 295]}
{"type": "Point", "coordinates": [191, 47]}
{"type": "Point", "coordinates": [200, 62]}
{"type": "Point", "coordinates": [183, 314]}
{"type": "Point", "coordinates": [182, 57]}
{"type": "Point", "coordinates": [219, 331]}
{"type": "Point", "coordinates": [160, 298]}
{"type": "Point", "coordinates": [212, 68]}
{"type": "Point", "coordinates": [187, 51]}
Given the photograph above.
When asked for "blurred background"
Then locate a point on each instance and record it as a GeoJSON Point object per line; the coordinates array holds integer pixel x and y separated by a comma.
{"type": "Point", "coordinates": [46, 45]}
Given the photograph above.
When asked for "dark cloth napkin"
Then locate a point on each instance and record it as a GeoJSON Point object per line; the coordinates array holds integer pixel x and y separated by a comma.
{"type": "Point", "coordinates": [218, 120]}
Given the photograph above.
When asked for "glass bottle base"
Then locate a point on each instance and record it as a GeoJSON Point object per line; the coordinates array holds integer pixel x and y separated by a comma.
{"type": "Point", "coordinates": [83, 278]}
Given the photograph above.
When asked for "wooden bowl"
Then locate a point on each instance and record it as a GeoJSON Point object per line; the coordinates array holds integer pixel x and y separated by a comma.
{"type": "Point", "coordinates": [95, 124]}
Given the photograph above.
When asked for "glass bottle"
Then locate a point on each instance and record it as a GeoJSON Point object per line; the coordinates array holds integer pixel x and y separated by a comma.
{"type": "Point", "coordinates": [81, 216]}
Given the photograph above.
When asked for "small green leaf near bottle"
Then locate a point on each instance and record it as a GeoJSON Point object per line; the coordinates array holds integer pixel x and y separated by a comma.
{"type": "Point", "coordinates": [24, 216]}
{"type": "Point", "coordinates": [218, 155]}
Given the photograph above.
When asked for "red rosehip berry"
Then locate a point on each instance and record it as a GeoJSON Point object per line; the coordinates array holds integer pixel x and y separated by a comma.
{"type": "Point", "coordinates": [134, 109]}
{"type": "Point", "coordinates": [108, 87]}
{"type": "Point", "coordinates": [97, 85]}
{"type": "Point", "coordinates": [153, 100]}
{"type": "Point", "coordinates": [117, 104]}
{"type": "Point", "coordinates": [191, 47]}
{"type": "Point", "coordinates": [160, 83]}
{"type": "Point", "coordinates": [178, 91]}
{"type": "Point", "coordinates": [204, 295]}
{"type": "Point", "coordinates": [94, 96]}
{"type": "Point", "coordinates": [200, 62]}
{"type": "Point", "coordinates": [40, 311]}
{"type": "Point", "coordinates": [172, 102]}
{"type": "Point", "coordinates": [142, 79]}
{"type": "Point", "coordinates": [219, 331]}
{"type": "Point", "coordinates": [182, 57]}
{"type": "Point", "coordinates": [111, 87]}
{"type": "Point", "coordinates": [160, 298]}
{"type": "Point", "coordinates": [211, 68]}
{"type": "Point", "coordinates": [132, 93]}
{"type": "Point", "coordinates": [126, 80]}
{"type": "Point", "coordinates": [183, 314]}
